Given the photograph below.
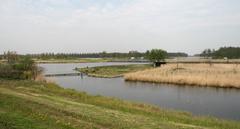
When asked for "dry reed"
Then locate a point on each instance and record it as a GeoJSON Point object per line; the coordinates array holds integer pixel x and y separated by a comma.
{"type": "Point", "coordinates": [218, 75]}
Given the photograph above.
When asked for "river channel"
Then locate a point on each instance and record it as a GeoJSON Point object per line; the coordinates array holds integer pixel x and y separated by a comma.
{"type": "Point", "coordinates": [207, 101]}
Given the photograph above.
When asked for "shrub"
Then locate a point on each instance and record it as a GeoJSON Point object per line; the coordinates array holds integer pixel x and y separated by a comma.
{"type": "Point", "coordinates": [24, 68]}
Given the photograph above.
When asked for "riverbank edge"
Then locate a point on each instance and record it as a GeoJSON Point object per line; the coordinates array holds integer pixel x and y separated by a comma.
{"type": "Point", "coordinates": [42, 90]}
{"type": "Point", "coordinates": [180, 84]}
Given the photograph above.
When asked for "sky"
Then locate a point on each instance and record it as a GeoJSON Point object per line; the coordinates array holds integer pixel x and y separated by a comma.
{"type": "Point", "coordinates": [79, 26]}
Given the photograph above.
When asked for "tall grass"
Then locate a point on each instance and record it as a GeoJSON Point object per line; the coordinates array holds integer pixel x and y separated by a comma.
{"type": "Point", "coordinates": [218, 75]}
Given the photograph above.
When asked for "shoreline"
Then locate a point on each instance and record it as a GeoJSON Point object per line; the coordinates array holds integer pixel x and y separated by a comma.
{"type": "Point", "coordinates": [179, 84]}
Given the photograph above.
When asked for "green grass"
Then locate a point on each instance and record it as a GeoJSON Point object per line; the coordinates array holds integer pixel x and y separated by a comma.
{"type": "Point", "coordinates": [113, 71]}
{"type": "Point", "coordinates": [38, 105]}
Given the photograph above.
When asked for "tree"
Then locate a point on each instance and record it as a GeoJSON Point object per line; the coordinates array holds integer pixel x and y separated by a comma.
{"type": "Point", "coordinates": [29, 67]}
{"type": "Point", "coordinates": [156, 55]}
{"type": "Point", "coordinates": [229, 52]}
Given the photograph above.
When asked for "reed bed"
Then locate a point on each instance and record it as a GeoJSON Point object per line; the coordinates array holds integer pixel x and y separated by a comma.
{"type": "Point", "coordinates": [217, 75]}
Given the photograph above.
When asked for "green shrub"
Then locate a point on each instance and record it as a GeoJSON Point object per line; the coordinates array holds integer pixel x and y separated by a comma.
{"type": "Point", "coordinates": [24, 68]}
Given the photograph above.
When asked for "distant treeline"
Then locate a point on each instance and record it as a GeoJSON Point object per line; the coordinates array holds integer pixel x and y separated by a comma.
{"type": "Point", "coordinates": [98, 55]}
{"type": "Point", "coordinates": [223, 52]}
{"type": "Point", "coordinates": [130, 54]}
{"type": "Point", "coordinates": [85, 55]}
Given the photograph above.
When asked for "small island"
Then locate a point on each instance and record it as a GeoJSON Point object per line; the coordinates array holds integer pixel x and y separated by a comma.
{"type": "Point", "coordinates": [113, 71]}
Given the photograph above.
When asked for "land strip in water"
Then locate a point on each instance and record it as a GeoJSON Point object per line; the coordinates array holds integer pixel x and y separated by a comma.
{"type": "Point", "coordinates": [207, 74]}
{"type": "Point", "coordinates": [113, 71]}
{"type": "Point", "coordinates": [38, 105]}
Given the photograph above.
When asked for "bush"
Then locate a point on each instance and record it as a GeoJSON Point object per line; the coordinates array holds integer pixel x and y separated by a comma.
{"type": "Point", "coordinates": [24, 68]}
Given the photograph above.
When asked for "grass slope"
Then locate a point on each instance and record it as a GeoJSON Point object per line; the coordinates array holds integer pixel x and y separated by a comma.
{"type": "Point", "coordinates": [113, 71]}
{"type": "Point", "coordinates": [28, 104]}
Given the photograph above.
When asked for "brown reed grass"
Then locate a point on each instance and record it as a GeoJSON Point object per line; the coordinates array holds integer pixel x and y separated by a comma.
{"type": "Point", "coordinates": [218, 75]}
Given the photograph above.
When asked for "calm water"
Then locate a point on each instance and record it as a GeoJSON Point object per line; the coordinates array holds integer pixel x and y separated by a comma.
{"type": "Point", "coordinates": [223, 103]}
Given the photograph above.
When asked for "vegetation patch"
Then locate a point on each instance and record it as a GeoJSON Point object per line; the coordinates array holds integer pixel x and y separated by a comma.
{"type": "Point", "coordinates": [113, 71]}
{"type": "Point", "coordinates": [217, 75]}
{"type": "Point", "coordinates": [17, 67]}
{"type": "Point", "coordinates": [223, 52]}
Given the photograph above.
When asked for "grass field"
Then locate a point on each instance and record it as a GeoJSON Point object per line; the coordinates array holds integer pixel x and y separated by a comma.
{"type": "Point", "coordinates": [113, 71]}
{"type": "Point", "coordinates": [38, 105]}
{"type": "Point", "coordinates": [217, 75]}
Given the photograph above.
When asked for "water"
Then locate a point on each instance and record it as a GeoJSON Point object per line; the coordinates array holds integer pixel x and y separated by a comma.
{"type": "Point", "coordinates": [219, 102]}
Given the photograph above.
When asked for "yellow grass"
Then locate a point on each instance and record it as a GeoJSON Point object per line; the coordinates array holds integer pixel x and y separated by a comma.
{"type": "Point", "coordinates": [218, 75]}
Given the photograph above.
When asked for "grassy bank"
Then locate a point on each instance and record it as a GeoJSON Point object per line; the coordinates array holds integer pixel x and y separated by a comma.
{"type": "Point", "coordinates": [77, 60]}
{"type": "Point", "coordinates": [28, 104]}
{"type": "Point", "coordinates": [113, 71]}
{"type": "Point", "coordinates": [217, 75]}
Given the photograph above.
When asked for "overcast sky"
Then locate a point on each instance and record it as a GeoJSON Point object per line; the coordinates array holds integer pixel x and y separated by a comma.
{"type": "Point", "coordinates": [35, 26]}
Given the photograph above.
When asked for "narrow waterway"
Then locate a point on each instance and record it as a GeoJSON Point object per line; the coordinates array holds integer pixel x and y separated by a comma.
{"type": "Point", "coordinates": [219, 102]}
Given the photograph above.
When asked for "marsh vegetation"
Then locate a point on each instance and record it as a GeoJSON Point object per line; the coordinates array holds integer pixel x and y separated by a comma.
{"type": "Point", "coordinates": [218, 75]}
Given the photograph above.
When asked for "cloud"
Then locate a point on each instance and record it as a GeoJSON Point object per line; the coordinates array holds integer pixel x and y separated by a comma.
{"type": "Point", "coordinates": [117, 25]}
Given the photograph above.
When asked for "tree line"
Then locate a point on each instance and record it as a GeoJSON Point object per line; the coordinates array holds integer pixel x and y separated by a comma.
{"type": "Point", "coordinates": [222, 52]}
{"type": "Point", "coordinates": [104, 54]}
